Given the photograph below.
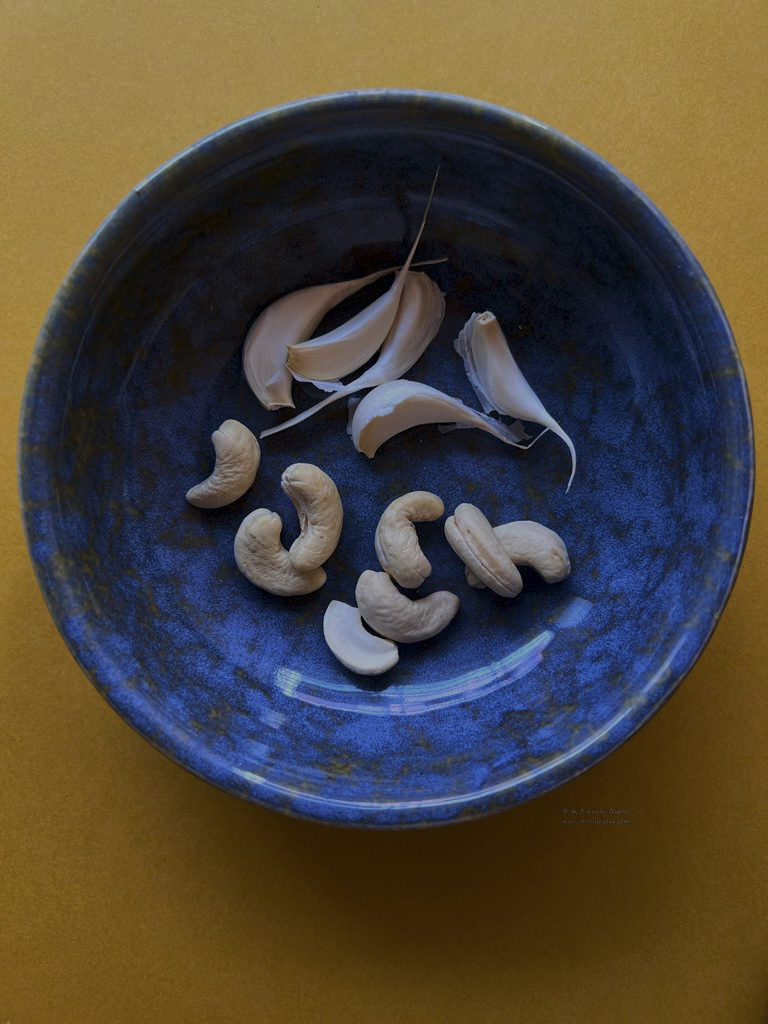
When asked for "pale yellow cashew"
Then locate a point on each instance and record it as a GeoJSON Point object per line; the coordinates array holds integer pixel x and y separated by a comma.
{"type": "Point", "coordinates": [237, 462]}
{"type": "Point", "coordinates": [320, 513]}
{"type": "Point", "coordinates": [529, 543]}
{"type": "Point", "coordinates": [472, 538]}
{"type": "Point", "coordinates": [398, 618]}
{"type": "Point", "coordinates": [397, 546]}
{"type": "Point", "coordinates": [263, 560]}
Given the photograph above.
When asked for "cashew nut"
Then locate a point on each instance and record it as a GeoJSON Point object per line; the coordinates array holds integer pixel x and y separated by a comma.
{"type": "Point", "coordinates": [263, 560]}
{"type": "Point", "coordinates": [237, 462]}
{"type": "Point", "coordinates": [472, 538]}
{"type": "Point", "coordinates": [395, 616]}
{"type": "Point", "coordinates": [397, 546]}
{"type": "Point", "coordinates": [529, 543]}
{"type": "Point", "coordinates": [356, 648]}
{"type": "Point", "coordinates": [318, 505]}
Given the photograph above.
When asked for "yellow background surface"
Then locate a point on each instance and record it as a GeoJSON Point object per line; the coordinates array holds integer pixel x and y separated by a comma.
{"type": "Point", "coordinates": [133, 892]}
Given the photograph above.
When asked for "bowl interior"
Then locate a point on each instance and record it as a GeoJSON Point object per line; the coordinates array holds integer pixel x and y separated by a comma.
{"type": "Point", "coordinates": [613, 324]}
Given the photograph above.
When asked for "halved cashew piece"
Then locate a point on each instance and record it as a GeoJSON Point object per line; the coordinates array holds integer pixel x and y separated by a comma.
{"type": "Point", "coordinates": [263, 560]}
{"type": "Point", "coordinates": [237, 462]}
{"type": "Point", "coordinates": [472, 538]}
{"type": "Point", "coordinates": [397, 546]}
{"type": "Point", "coordinates": [529, 543]}
{"type": "Point", "coordinates": [395, 616]}
{"type": "Point", "coordinates": [320, 514]}
{"type": "Point", "coordinates": [356, 648]}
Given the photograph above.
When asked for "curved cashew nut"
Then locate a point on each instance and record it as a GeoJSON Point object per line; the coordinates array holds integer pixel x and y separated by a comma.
{"type": "Point", "coordinates": [397, 546]}
{"type": "Point", "coordinates": [263, 560]}
{"type": "Point", "coordinates": [472, 538]}
{"type": "Point", "coordinates": [237, 462]}
{"type": "Point", "coordinates": [395, 616]}
{"type": "Point", "coordinates": [356, 648]}
{"type": "Point", "coordinates": [529, 543]}
{"type": "Point", "coordinates": [318, 505]}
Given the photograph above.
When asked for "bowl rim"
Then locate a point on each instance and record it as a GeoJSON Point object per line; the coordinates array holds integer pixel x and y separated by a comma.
{"type": "Point", "coordinates": [77, 285]}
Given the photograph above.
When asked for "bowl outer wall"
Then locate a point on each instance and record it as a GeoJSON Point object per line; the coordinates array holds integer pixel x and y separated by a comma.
{"type": "Point", "coordinates": [584, 171]}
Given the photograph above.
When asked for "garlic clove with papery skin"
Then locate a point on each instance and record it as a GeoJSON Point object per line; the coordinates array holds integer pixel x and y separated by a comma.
{"type": "Point", "coordinates": [344, 350]}
{"type": "Point", "coordinates": [416, 323]}
{"type": "Point", "coordinates": [290, 319]}
{"type": "Point", "coordinates": [400, 404]}
{"type": "Point", "coordinates": [498, 381]}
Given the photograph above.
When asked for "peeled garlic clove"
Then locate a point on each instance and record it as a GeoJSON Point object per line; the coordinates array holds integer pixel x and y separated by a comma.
{"type": "Point", "coordinates": [497, 379]}
{"type": "Point", "coordinates": [344, 350]}
{"type": "Point", "coordinates": [237, 461]}
{"type": "Point", "coordinates": [356, 648]}
{"type": "Point", "coordinates": [393, 407]}
{"type": "Point", "coordinates": [418, 320]}
{"type": "Point", "coordinates": [290, 319]}
{"type": "Point", "coordinates": [416, 323]}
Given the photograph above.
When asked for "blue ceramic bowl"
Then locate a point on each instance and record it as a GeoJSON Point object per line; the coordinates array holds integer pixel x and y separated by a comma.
{"type": "Point", "coordinates": [615, 326]}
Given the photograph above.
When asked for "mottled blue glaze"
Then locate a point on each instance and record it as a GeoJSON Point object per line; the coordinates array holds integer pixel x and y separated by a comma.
{"type": "Point", "coordinates": [616, 327]}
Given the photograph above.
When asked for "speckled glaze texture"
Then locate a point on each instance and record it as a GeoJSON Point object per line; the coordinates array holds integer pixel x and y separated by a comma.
{"type": "Point", "coordinates": [614, 324]}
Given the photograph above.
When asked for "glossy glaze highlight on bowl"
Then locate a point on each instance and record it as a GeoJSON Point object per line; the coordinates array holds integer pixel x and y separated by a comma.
{"type": "Point", "coordinates": [611, 319]}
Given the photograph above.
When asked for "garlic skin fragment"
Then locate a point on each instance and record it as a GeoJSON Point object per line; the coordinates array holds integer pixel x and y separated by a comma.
{"type": "Point", "coordinates": [418, 319]}
{"type": "Point", "coordinates": [400, 404]}
{"type": "Point", "coordinates": [237, 462]}
{"type": "Point", "coordinates": [290, 319]}
{"type": "Point", "coordinates": [344, 350]}
{"type": "Point", "coordinates": [498, 381]}
{"type": "Point", "coordinates": [356, 648]}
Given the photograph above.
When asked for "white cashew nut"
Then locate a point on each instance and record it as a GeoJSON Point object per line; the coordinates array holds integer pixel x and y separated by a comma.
{"type": "Point", "coordinates": [237, 462]}
{"type": "Point", "coordinates": [263, 560]}
{"type": "Point", "coordinates": [395, 616]}
{"type": "Point", "coordinates": [397, 546]}
{"type": "Point", "coordinates": [529, 543]}
{"type": "Point", "coordinates": [318, 505]}
{"type": "Point", "coordinates": [356, 648]}
{"type": "Point", "coordinates": [472, 538]}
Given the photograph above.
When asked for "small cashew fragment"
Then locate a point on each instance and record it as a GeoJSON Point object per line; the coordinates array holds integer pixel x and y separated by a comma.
{"type": "Point", "coordinates": [472, 538]}
{"type": "Point", "coordinates": [263, 560]}
{"type": "Point", "coordinates": [318, 505]}
{"type": "Point", "coordinates": [397, 546]}
{"type": "Point", "coordinates": [356, 648]}
{"type": "Point", "coordinates": [237, 462]}
{"type": "Point", "coordinates": [529, 543]}
{"type": "Point", "coordinates": [395, 616]}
